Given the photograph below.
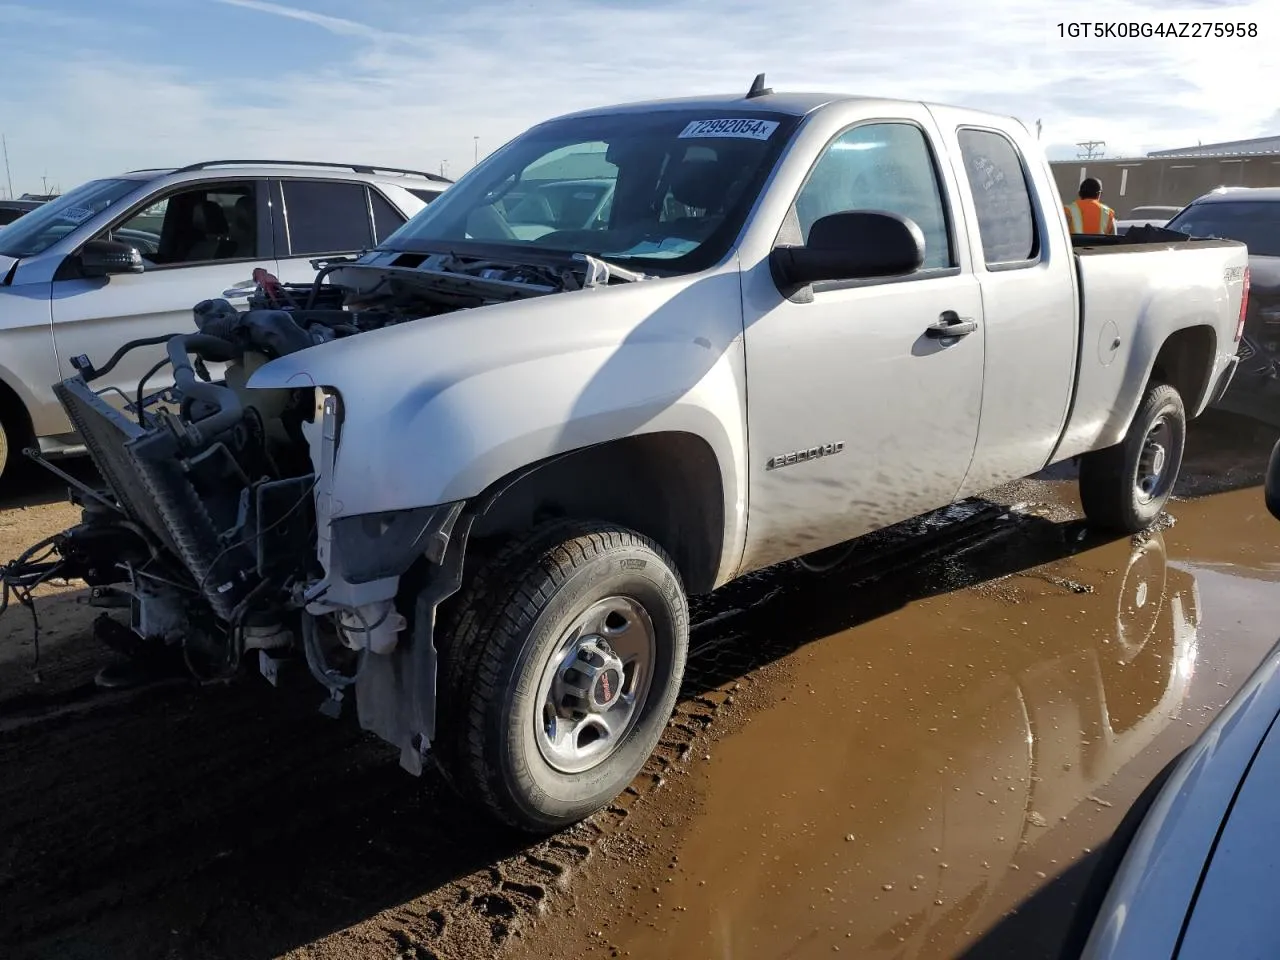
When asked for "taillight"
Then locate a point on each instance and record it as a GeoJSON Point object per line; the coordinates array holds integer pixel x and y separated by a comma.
{"type": "Point", "coordinates": [1244, 305]}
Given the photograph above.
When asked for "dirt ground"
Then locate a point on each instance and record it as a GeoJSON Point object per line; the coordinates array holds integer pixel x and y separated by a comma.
{"type": "Point", "coordinates": [914, 755]}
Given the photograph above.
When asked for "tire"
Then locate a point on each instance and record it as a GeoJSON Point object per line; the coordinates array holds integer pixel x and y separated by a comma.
{"type": "Point", "coordinates": [14, 437]}
{"type": "Point", "coordinates": [1109, 479]}
{"type": "Point", "coordinates": [504, 668]}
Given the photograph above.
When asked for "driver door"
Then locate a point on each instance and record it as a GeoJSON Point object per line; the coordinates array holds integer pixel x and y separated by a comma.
{"type": "Point", "coordinates": [196, 242]}
{"type": "Point", "coordinates": [858, 418]}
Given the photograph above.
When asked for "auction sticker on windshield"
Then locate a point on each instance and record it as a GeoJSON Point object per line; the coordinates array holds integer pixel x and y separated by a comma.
{"type": "Point", "coordinates": [77, 214]}
{"type": "Point", "coordinates": [742, 127]}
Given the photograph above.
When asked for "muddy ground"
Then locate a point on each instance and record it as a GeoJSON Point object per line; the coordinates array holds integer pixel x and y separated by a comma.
{"type": "Point", "coordinates": [915, 755]}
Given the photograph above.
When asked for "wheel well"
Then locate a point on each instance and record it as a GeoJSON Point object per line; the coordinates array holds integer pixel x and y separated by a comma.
{"type": "Point", "coordinates": [664, 485]}
{"type": "Point", "coordinates": [1185, 362]}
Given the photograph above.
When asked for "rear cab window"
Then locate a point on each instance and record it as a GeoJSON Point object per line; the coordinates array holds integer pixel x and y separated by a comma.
{"type": "Point", "coordinates": [997, 176]}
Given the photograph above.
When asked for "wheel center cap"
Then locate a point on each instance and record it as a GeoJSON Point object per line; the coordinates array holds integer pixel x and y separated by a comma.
{"type": "Point", "coordinates": [591, 679]}
{"type": "Point", "coordinates": [605, 691]}
{"type": "Point", "coordinates": [1157, 458]}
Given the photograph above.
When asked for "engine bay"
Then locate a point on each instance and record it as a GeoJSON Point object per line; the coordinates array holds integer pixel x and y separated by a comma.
{"type": "Point", "coordinates": [213, 527]}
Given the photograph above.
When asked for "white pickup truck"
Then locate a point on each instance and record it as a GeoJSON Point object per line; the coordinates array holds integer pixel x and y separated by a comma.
{"type": "Point", "coordinates": [474, 474]}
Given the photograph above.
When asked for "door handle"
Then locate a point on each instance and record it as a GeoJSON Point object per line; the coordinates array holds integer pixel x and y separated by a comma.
{"type": "Point", "coordinates": [950, 325]}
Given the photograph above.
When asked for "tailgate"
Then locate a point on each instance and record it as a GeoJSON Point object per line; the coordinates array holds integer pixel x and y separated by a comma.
{"type": "Point", "coordinates": [1133, 298]}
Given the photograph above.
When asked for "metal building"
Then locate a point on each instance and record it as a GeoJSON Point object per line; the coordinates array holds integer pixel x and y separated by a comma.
{"type": "Point", "coordinates": [1174, 177]}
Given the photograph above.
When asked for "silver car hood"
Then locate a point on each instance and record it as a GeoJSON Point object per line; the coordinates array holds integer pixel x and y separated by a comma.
{"type": "Point", "coordinates": [1155, 890]}
{"type": "Point", "coordinates": [1234, 913]}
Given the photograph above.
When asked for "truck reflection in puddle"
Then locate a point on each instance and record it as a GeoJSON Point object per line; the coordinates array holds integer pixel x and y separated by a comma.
{"type": "Point", "coordinates": [1027, 747]}
{"type": "Point", "coordinates": [881, 809]}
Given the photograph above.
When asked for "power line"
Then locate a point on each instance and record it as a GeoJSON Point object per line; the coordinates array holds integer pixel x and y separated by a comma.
{"type": "Point", "coordinates": [7, 172]}
{"type": "Point", "coordinates": [1091, 149]}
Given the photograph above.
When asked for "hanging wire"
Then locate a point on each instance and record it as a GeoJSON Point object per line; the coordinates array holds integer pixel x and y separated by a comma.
{"type": "Point", "coordinates": [19, 580]}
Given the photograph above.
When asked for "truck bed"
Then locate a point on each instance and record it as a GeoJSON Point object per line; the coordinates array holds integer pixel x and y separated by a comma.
{"type": "Point", "coordinates": [1148, 284]}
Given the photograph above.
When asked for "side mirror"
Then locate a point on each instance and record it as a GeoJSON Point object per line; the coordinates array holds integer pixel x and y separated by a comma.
{"type": "Point", "coordinates": [854, 245]}
{"type": "Point", "coordinates": [1271, 489]}
{"type": "Point", "coordinates": [103, 258]}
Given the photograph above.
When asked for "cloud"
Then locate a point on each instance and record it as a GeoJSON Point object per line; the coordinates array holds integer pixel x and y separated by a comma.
{"type": "Point", "coordinates": [408, 86]}
{"type": "Point", "coordinates": [337, 25]}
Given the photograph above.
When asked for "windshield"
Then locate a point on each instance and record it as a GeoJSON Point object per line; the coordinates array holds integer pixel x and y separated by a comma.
{"type": "Point", "coordinates": [48, 223]}
{"type": "Point", "coordinates": [671, 186]}
{"type": "Point", "coordinates": [1252, 222]}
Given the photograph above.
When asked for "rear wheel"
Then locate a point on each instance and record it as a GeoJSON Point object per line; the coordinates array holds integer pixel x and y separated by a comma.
{"type": "Point", "coordinates": [561, 672]}
{"type": "Point", "coordinates": [1123, 488]}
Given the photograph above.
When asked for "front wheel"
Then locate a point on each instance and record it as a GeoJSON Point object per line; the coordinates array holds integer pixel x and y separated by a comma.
{"type": "Point", "coordinates": [1123, 488]}
{"type": "Point", "coordinates": [561, 672]}
{"type": "Point", "coordinates": [15, 436]}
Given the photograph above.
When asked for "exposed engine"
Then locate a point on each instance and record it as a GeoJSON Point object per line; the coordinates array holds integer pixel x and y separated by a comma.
{"type": "Point", "coordinates": [215, 499]}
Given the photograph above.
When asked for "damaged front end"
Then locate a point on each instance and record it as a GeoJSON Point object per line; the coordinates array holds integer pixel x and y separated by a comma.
{"type": "Point", "coordinates": [220, 527]}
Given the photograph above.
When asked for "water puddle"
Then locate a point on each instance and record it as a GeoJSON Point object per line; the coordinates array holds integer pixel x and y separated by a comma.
{"type": "Point", "coordinates": [932, 766]}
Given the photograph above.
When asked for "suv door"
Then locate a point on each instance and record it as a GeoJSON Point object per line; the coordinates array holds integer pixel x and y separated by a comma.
{"type": "Point", "coordinates": [327, 218]}
{"type": "Point", "coordinates": [196, 240]}
{"type": "Point", "coordinates": [857, 418]}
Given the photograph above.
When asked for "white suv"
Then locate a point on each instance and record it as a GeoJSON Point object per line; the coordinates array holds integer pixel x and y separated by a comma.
{"type": "Point", "coordinates": [71, 283]}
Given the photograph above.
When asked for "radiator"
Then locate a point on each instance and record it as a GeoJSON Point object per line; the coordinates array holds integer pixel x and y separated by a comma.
{"type": "Point", "coordinates": [156, 494]}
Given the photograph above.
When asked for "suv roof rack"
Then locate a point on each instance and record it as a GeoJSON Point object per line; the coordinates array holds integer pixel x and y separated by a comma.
{"type": "Point", "coordinates": [356, 167]}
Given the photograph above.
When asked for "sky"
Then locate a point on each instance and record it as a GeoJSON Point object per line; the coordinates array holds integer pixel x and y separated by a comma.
{"type": "Point", "coordinates": [92, 88]}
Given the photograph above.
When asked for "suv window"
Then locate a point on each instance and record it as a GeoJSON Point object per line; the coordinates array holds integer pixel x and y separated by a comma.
{"type": "Point", "coordinates": [880, 166]}
{"type": "Point", "coordinates": [386, 218]}
{"type": "Point", "coordinates": [326, 216]}
{"type": "Point", "coordinates": [1254, 222]}
{"type": "Point", "coordinates": [211, 222]}
{"type": "Point", "coordinates": [1006, 217]}
{"type": "Point", "coordinates": [426, 196]}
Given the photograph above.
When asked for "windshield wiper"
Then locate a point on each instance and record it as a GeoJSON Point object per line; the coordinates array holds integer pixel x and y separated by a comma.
{"type": "Point", "coordinates": [600, 272]}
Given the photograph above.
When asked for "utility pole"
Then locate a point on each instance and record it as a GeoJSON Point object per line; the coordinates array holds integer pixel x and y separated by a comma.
{"type": "Point", "coordinates": [443, 164]}
{"type": "Point", "coordinates": [1037, 129]}
{"type": "Point", "coordinates": [44, 184]}
{"type": "Point", "coordinates": [1091, 149]}
{"type": "Point", "coordinates": [8, 174]}
{"type": "Point", "coordinates": [477, 157]}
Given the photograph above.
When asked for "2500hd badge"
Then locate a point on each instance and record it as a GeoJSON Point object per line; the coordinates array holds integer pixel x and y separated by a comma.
{"type": "Point", "coordinates": [804, 456]}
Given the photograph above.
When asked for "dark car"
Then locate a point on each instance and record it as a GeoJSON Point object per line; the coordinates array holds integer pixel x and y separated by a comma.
{"type": "Point", "coordinates": [1252, 216]}
{"type": "Point", "coordinates": [11, 210]}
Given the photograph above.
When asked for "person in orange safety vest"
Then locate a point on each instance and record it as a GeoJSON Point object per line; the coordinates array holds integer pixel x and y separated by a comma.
{"type": "Point", "coordinates": [1089, 214]}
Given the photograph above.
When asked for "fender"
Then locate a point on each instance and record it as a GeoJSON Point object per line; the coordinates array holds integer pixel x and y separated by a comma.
{"type": "Point", "coordinates": [1108, 399]}
{"type": "Point", "coordinates": [28, 364]}
{"type": "Point", "coordinates": [438, 409]}
{"type": "Point", "coordinates": [1150, 338]}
